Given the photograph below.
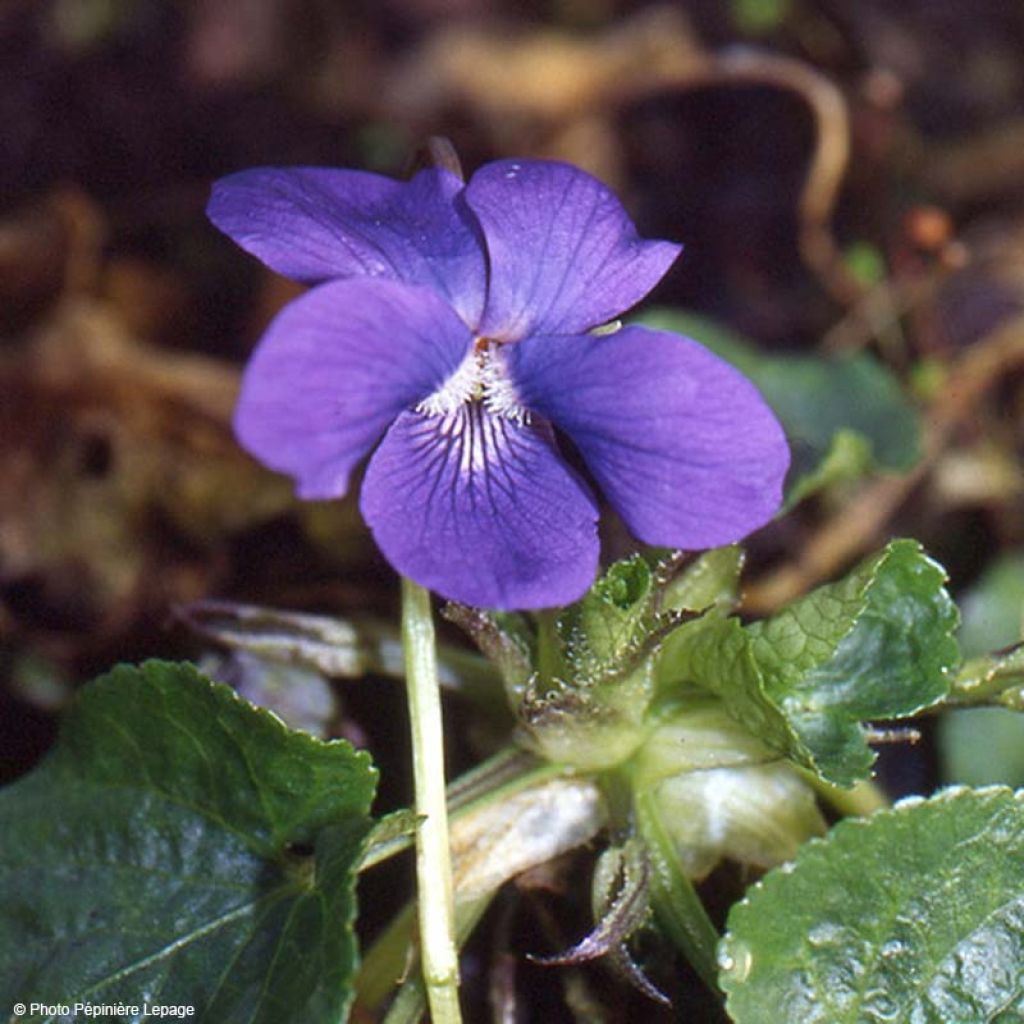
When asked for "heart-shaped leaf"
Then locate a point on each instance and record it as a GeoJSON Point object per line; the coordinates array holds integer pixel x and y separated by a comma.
{"type": "Point", "coordinates": [181, 847]}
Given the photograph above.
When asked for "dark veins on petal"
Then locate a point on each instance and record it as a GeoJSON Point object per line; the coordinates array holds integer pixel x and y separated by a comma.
{"type": "Point", "coordinates": [482, 509]}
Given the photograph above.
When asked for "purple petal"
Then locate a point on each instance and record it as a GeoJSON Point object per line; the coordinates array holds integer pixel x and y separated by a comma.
{"type": "Point", "coordinates": [335, 368]}
{"type": "Point", "coordinates": [316, 223]}
{"type": "Point", "coordinates": [564, 255]}
{"type": "Point", "coordinates": [682, 444]}
{"type": "Point", "coordinates": [482, 510]}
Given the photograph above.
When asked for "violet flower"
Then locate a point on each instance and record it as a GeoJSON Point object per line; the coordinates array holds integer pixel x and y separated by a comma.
{"type": "Point", "coordinates": [450, 339]}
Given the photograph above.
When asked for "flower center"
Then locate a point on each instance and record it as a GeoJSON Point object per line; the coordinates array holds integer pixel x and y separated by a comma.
{"type": "Point", "coordinates": [481, 378]}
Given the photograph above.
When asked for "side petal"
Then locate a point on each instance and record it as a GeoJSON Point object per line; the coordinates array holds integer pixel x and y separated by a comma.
{"type": "Point", "coordinates": [564, 255]}
{"type": "Point", "coordinates": [317, 223]}
{"type": "Point", "coordinates": [682, 444]}
{"type": "Point", "coordinates": [334, 369]}
{"type": "Point", "coordinates": [482, 510]}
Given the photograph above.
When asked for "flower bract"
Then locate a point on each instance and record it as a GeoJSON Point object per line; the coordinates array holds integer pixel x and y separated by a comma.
{"type": "Point", "coordinates": [448, 336]}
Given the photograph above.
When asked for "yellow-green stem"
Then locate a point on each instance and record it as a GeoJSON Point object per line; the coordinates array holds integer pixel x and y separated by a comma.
{"type": "Point", "coordinates": [439, 957]}
{"type": "Point", "coordinates": [676, 904]}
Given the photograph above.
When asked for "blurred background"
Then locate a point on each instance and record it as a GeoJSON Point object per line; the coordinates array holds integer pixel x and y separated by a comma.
{"type": "Point", "coordinates": [848, 180]}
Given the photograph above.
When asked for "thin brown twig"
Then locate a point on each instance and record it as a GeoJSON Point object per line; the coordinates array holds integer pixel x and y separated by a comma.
{"type": "Point", "coordinates": [827, 165]}
{"type": "Point", "coordinates": [694, 69]}
{"type": "Point", "coordinates": [555, 86]}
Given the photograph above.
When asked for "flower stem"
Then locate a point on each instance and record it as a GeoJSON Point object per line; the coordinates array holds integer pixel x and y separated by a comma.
{"type": "Point", "coordinates": [433, 865]}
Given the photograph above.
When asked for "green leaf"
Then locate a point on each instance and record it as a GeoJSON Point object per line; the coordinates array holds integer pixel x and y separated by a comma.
{"type": "Point", "coordinates": [878, 644]}
{"type": "Point", "coordinates": [914, 914]}
{"type": "Point", "coordinates": [183, 847]}
{"type": "Point", "coordinates": [817, 399]}
{"type": "Point", "coordinates": [715, 653]}
{"type": "Point", "coordinates": [996, 678]}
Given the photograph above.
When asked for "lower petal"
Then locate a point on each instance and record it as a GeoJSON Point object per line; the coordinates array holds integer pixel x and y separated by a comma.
{"type": "Point", "coordinates": [682, 444]}
{"type": "Point", "coordinates": [481, 509]}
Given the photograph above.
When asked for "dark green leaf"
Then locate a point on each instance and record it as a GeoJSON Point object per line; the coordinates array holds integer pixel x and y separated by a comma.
{"type": "Point", "coordinates": [181, 846]}
{"type": "Point", "coordinates": [817, 399]}
{"type": "Point", "coordinates": [299, 695]}
{"type": "Point", "coordinates": [914, 914]}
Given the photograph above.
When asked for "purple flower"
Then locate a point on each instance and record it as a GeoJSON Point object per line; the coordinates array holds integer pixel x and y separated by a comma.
{"type": "Point", "coordinates": [448, 335]}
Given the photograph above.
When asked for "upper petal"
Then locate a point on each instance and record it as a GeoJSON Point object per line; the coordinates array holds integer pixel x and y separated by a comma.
{"type": "Point", "coordinates": [564, 256]}
{"type": "Point", "coordinates": [482, 510]}
{"type": "Point", "coordinates": [317, 223]}
{"type": "Point", "coordinates": [335, 367]}
{"type": "Point", "coordinates": [682, 444]}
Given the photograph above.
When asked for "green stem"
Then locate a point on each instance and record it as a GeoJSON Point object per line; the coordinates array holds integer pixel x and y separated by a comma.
{"type": "Point", "coordinates": [503, 773]}
{"type": "Point", "coordinates": [433, 865]}
{"type": "Point", "coordinates": [676, 904]}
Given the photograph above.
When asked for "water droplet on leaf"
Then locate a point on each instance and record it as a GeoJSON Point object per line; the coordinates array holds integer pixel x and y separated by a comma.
{"type": "Point", "coordinates": [736, 959]}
